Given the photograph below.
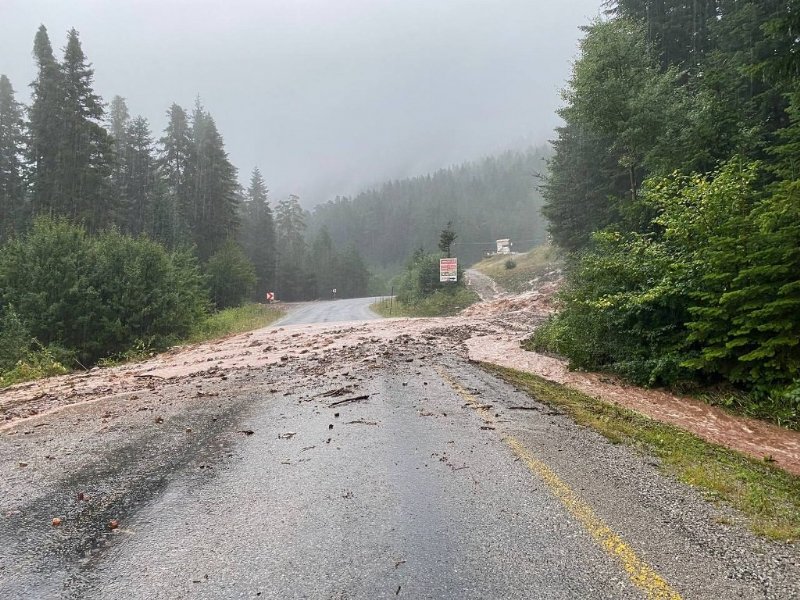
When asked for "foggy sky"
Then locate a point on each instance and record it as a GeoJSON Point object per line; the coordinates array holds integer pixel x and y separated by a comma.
{"type": "Point", "coordinates": [325, 96]}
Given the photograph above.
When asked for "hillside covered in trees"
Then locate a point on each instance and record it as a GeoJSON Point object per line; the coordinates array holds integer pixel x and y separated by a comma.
{"type": "Point", "coordinates": [493, 198]}
{"type": "Point", "coordinates": [69, 156]}
{"type": "Point", "coordinates": [676, 185]}
{"type": "Point", "coordinates": [110, 237]}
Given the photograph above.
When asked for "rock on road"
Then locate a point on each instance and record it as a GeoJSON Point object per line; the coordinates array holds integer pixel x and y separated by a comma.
{"type": "Point", "coordinates": [358, 460]}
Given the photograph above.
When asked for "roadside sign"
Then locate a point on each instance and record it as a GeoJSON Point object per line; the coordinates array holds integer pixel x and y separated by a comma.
{"type": "Point", "coordinates": [270, 296]}
{"type": "Point", "coordinates": [448, 269]}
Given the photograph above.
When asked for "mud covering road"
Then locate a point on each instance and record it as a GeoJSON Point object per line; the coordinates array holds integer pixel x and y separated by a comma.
{"type": "Point", "coordinates": [357, 460]}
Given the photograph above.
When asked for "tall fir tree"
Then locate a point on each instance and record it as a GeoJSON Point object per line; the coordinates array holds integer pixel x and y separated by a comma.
{"type": "Point", "coordinates": [213, 210]}
{"type": "Point", "coordinates": [293, 278]}
{"type": "Point", "coordinates": [45, 129]}
{"type": "Point", "coordinates": [353, 275]}
{"type": "Point", "coordinates": [140, 185]}
{"type": "Point", "coordinates": [12, 184]}
{"type": "Point", "coordinates": [118, 119]}
{"type": "Point", "coordinates": [84, 148]}
{"type": "Point", "coordinates": [257, 233]}
{"type": "Point", "coordinates": [324, 262]}
{"type": "Point", "coordinates": [176, 154]}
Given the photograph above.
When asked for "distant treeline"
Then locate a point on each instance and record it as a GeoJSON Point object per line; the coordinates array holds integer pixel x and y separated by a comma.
{"type": "Point", "coordinates": [676, 183]}
{"type": "Point", "coordinates": [67, 156]}
{"type": "Point", "coordinates": [494, 198]}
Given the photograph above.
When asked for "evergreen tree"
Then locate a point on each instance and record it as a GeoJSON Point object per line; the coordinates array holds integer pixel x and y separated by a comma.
{"type": "Point", "coordinates": [174, 165]}
{"type": "Point", "coordinates": [118, 120]}
{"type": "Point", "coordinates": [325, 265]}
{"type": "Point", "coordinates": [140, 186]}
{"type": "Point", "coordinates": [258, 233]}
{"type": "Point", "coordinates": [12, 186]}
{"type": "Point", "coordinates": [446, 238]}
{"type": "Point", "coordinates": [293, 278]}
{"type": "Point", "coordinates": [231, 276]}
{"type": "Point", "coordinates": [213, 210]}
{"type": "Point", "coordinates": [352, 274]}
{"type": "Point", "coordinates": [45, 127]}
{"type": "Point", "coordinates": [84, 148]}
{"type": "Point", "coordinates": [582, 185]}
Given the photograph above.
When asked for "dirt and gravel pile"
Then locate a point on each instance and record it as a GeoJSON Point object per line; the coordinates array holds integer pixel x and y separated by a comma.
{"type": "Point", "coordinates": [488, 332]}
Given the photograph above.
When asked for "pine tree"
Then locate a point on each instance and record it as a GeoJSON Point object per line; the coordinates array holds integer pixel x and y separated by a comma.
{"type": "Point", "coordinates": [583, 181]}
{"type": "Point", "coordinates": [45, 127]}
{"type": "Point", "coordinates": [174, 164]}
{"type": "Point", "coordinates": [325, 264]}
{"type": "Point", "coordinates": [140, 186]}
{"type": "Point", "coordinates": [213, 210]}
{"type": "Point", "coordinates": [353, 274]}
{"type": "Point", "coordinates": [12, 186]}
{"type": "Point", "coordinates": [293, 279]}
{"type": "Point", "coordinates": [118, 120]}
{"type": "Point", "coordinates": [84, 149]}
{"type": "Point", "coordinates": [447, 238]}
{"type": "Point", "coordinates": [258, 233]}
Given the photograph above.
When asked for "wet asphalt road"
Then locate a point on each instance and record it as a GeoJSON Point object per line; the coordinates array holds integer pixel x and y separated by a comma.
{"type": "Point", "coordinates": [351, 309]}
{"type": "Point", "coordinates": [285, 482]}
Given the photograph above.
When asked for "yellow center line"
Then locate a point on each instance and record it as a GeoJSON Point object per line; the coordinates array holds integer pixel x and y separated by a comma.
{"type": "Point", "coordinates": [639, 572]}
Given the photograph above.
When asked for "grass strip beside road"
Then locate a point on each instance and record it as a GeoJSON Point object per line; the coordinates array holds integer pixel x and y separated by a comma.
{"type": "Point", "coordinates": [236, 320]}
{"type": "Point", "coordinates": [768, 497]}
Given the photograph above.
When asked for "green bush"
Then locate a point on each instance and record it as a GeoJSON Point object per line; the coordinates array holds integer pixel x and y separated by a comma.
{"type": "Point", "coordinates": [421, 294]}
{"type": "Point", "coordinates": [510, 264]}
{"type": "Point", "coordinates": [231, 277]}
{"type": "Point", "coordinates": [15, 340]}
{"type": "Point", "coordinates": [99, 296]}
{"type": "Point", "coordinates": [713, 292]}
{"type": "Point", "coordinates": [35, 364]}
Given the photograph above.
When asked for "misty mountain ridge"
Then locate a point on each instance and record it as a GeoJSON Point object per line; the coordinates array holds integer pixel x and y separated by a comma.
{"type": "Point", "coordinates": [495, 197]}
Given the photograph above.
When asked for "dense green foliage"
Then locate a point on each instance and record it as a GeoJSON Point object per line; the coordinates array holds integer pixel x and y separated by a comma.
{"type": "Point", "coordinates": [231, 277]}
{"type": "Point", "coordinates": [494, 198]}
{"type": "Point", "coordinates": [98, 295]}
{"type": "Point", "coordinates": [15, 340]}
{"type": "Point", "coordinates": [421, 294]}
{"type": "Point", "coordinates": [257, 234]}
{"type": "Point", "coordinates": [12, 182]}
{"type": "Point", "coordinates": [675, 183]}
{"type": "Point", "coordinates": [100, 167]}
{"type": "Point", "coordinates": [112, 242]}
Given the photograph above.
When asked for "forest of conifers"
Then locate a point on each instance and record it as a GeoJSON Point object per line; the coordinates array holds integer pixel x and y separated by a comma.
{"type": "Point", "coordinates": [110, 239]}
{"type": "Point", "coordinates": [676, 185]}
{"type": "Point", "coordinates": [497, 197]}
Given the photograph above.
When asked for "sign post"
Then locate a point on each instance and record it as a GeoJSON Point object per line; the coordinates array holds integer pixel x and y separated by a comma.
{"type": "Point", "coordinates": [448, 269]}
{"type": "Point", "coordinates": [270, 296]}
